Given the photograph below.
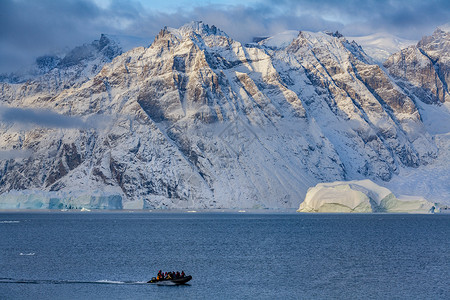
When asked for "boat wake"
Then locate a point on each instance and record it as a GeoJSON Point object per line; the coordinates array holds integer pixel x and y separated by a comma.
{"type": "Point", "coordinates": [47, 281]}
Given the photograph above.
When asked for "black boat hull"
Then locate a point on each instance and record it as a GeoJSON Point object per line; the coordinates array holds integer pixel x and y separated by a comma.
{"type": "Point", "coordinates": [177, 281]}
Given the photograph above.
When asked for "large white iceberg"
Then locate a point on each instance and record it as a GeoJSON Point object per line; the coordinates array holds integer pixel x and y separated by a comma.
{"type": "Point", "coordinates": [359, 196]}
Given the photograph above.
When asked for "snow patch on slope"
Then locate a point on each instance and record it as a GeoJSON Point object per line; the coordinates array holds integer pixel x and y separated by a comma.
{"type": "Point", "coordinates": [445, 27]}
{"type": "Point", "coordinates": [280, 40]}
{"type": "Point", "coordinates": [430, 181]}
{"type": "Point", "coordinates": [381, 45]}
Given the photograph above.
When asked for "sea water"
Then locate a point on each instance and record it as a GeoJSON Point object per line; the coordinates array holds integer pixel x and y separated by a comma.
{"type": "Point", "coordinates": [98, 255]}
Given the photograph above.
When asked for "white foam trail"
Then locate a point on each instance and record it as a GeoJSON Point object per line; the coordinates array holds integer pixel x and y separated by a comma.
{"type": "Point", "coordinates": [110, 281]}
{"type": "Point", "coordinates": [9, 222]}
{"type": "Point", "coordinates": [27, 254]}
{"type": "Point", "coordinates": [47, 281]}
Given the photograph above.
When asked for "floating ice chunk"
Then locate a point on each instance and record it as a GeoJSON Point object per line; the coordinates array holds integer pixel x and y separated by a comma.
{"type": "Point", "coordinates": [362, 196]}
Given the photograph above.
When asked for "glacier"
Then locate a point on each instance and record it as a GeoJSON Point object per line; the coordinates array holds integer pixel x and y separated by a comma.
{"type": "Point", "coordinates": [29, 199]}
{"type": "Point", "coordinates": [360, 196]}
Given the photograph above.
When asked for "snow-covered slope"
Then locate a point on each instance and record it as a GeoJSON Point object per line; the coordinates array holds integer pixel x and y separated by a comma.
{"type": "Point", "coordinates": [359, 196]}
{"type": "Point", "coordinates": [380, 46]}
{"type": "Point", "coordinates": [198, 120]}
{"type": "Point", "coordinates": [445, 27]}
{"type": "Point", "coordinates": [280, 40]}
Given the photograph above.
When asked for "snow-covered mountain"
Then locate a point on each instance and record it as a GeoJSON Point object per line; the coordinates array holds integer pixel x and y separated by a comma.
{"type": "Point", "coordinates": [73, 67]}
{"type": "Point", "coordinates": [423, 72]}
{"type": "Point", "coordinates": [198, 120]}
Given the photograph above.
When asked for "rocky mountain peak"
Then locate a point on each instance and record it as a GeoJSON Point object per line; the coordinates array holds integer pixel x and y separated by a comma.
{"type": "Point", "coordinates": [196, 32]}
{"type": "Point", "coordinates": [424, 68]}
{"type": "Point", "coordinates": [335, 34]}
{"type": "Point", "coordinates": [81, 61]}
{"type": "Point", "coordinates": [104, 48]}
{"type": "Point", "coordinates": [439, 41]}
{"type": "Point", "coordinates": [328, 43]}
{"type": "Point", "coordinates": [197, 27]}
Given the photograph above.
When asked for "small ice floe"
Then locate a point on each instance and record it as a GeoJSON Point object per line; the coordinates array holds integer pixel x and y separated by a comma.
{"type": "Point", "coordinates": [85, 209]}
{"type": "Point", "coordinates": [241, 211]}
{"type": "Point", "coordinates": [191, 211]}
{"type": "Point", "coordinates": [27, 254]}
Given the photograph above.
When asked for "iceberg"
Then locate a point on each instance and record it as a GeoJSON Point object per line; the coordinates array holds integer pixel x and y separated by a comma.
{"type": "Point", "coordinates": [32, 199]}
{"type": "Point", "coordinates": [360, 196]}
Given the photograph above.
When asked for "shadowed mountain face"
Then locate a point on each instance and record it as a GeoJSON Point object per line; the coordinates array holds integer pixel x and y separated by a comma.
{"type": "Point", "coordinates": [199, 120]}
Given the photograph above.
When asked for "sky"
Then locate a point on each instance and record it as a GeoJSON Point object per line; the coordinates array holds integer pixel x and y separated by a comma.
{"type": "Point", "coordinates": [30, 28]}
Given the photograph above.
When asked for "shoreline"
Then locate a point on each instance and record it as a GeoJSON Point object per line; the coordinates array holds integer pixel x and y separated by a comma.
{"type": "Point", "coordinates": [204, 211]}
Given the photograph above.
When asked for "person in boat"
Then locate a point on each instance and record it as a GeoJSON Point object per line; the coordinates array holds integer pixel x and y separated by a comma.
{"type": "Point", "coordinates": [169, 275]}
{"type": "Point", "coordinates": [159, 276]}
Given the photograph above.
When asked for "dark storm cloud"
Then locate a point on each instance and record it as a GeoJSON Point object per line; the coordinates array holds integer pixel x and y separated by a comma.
{"type": "Point", "coordinates": [31, 28]}
{"type": "Point", "coordinates": [26, 118]}
{"type": "Point", "coordinates": [406, 18]}
{"type": "Point", "coordinates": [240, 22]}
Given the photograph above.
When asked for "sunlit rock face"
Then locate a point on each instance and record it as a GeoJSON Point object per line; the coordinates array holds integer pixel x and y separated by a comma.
{"type": "Point", "coordinates": [198, 120]}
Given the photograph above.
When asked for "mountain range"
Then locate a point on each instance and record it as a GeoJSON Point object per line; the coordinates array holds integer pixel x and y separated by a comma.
{"type": "Point", "coordinates": [199, 120]}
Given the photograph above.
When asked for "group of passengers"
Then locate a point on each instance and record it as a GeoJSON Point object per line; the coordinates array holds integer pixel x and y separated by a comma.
{"type": "Point", "coordinates": [169, 275]}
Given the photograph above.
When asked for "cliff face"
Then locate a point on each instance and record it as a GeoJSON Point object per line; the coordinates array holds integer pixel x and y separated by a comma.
{"type": "Point", "coordinates": [199, 120]}
{"type": "Point", "coordinates": [424, 69]}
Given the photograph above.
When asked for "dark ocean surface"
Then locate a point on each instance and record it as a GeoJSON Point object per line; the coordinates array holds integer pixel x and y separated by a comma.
{"type": "Point", "coordinates": [110, 255]}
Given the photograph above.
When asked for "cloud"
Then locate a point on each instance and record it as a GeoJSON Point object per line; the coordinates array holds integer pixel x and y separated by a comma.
{"type": "Point", "coordinates": [31, 28]}
{"type": "Point", "coordinates": [27, 118]}
{"type": "Point", "coordinates": [406, 18]}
